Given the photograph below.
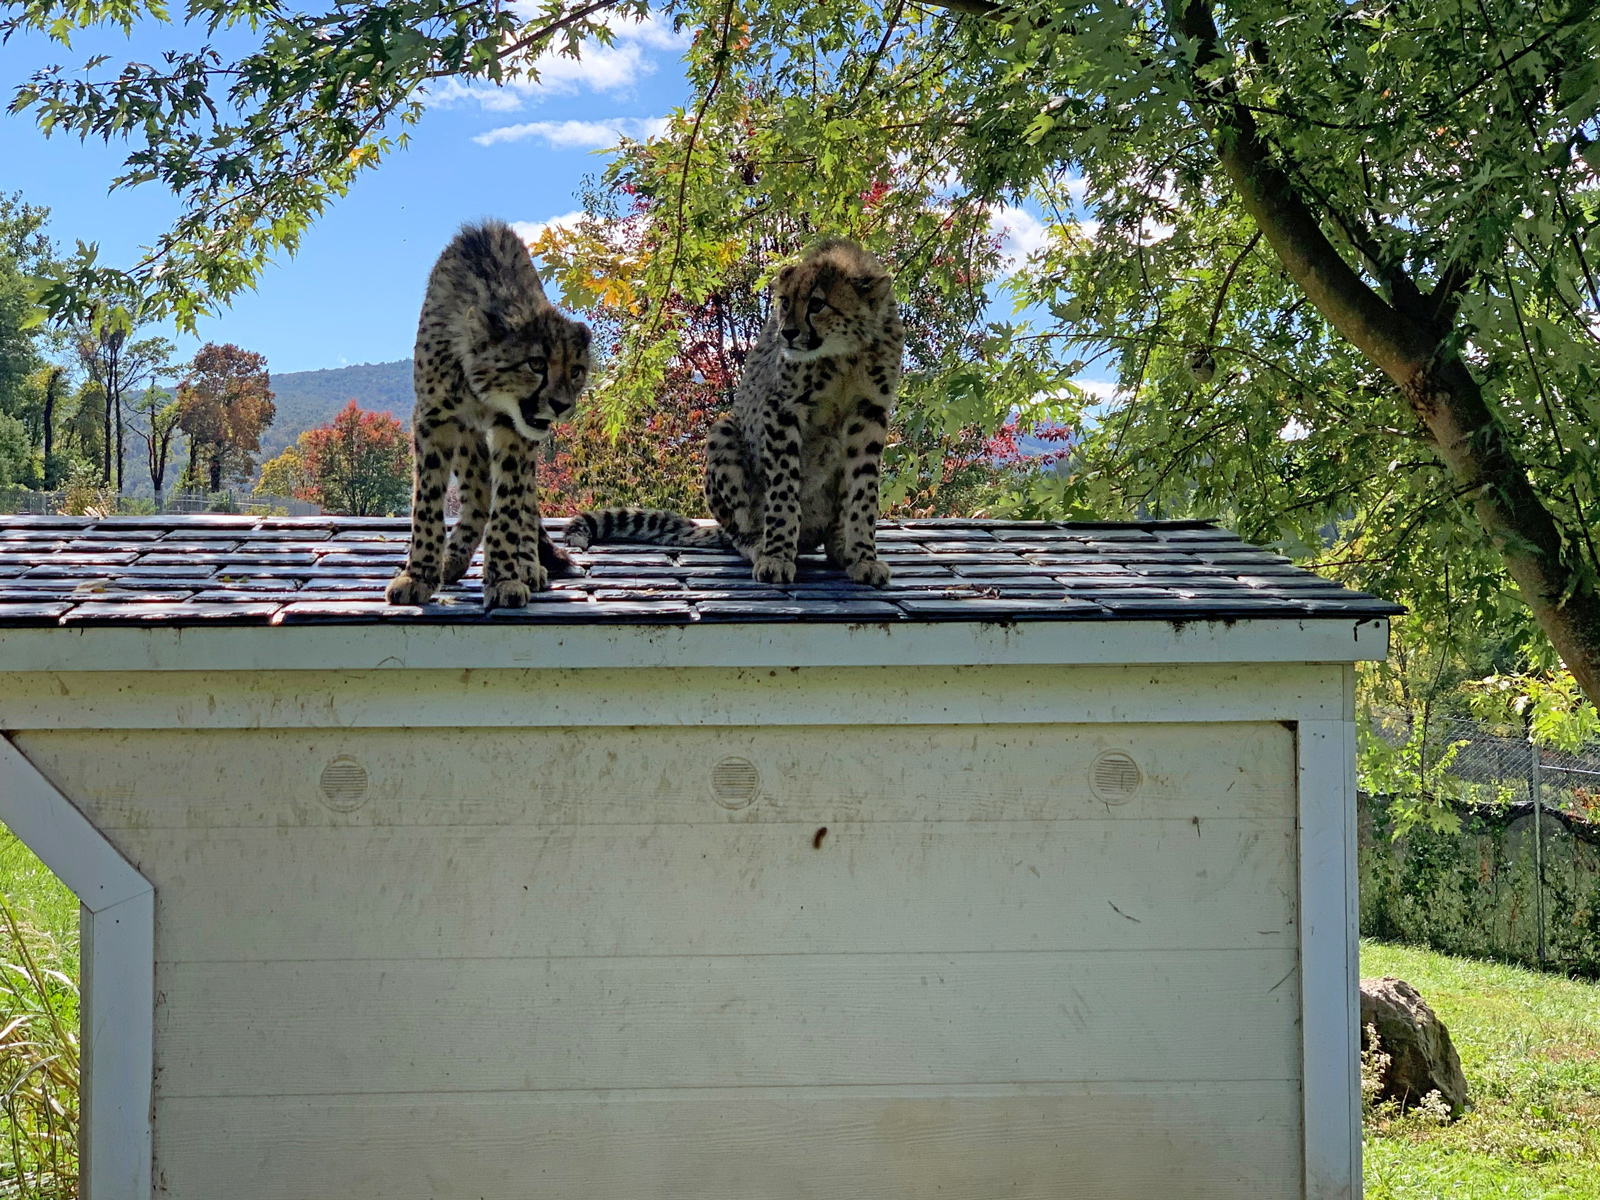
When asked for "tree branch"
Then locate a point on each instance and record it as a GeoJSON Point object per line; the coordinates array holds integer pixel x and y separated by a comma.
{"type": "Point", "coordinates": [970, 8]}
{"type": "Point", "coordinates": [1404, 342]}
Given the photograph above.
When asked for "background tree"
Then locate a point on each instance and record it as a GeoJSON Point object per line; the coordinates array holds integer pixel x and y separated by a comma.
{"type": "Point", "coordinates": [285, 473]}
{"type": "Point", "coordinates": [82, 432]}
{"type": "Point", "coordinates": [24, 252]}
{"type": "Point", "coordinates": [121, 364]}
{"type": "Point", "coordinates": [49, 384]}
{"type": "Point", "coordinates": [358, 464]}
{"type": "Point", "coordinates": [224, 404]}
{"type": "Point", "coordinates": [156, 416]}
{"type": "Point", "coordinates": [16, 453]}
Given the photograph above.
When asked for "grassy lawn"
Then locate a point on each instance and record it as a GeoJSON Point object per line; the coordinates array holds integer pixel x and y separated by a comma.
{"type": "Point", "coordinates": [1530, 1045]}
{"type": "Point", "coordinates": [38, 1028]}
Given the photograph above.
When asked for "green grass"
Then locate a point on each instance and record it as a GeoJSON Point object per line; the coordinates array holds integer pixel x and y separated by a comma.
{"type": "Point", "coordinates": [41, 900]}
{"type": "Point", "coordinates": [38, 1028]}
{"type": "Point", "coordinates": [1530, 1046]}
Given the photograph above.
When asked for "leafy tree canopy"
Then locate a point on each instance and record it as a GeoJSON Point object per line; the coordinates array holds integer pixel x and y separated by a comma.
{"type": "Point", "coordinates": [224, 403]}
{"type": "Point", "coordinates": [25, 252]}
{"type": "Point", "coordinates": [358, 464]}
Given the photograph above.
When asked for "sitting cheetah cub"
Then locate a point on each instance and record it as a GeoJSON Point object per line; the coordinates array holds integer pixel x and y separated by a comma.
{"type": "Point", "coordinates": [796, 464]}
{"type": "Point", "coordinates": [495, 366]}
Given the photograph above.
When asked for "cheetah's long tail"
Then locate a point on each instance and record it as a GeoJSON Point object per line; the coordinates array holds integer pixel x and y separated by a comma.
{"type": "Point", "coordinates": [653, 526]}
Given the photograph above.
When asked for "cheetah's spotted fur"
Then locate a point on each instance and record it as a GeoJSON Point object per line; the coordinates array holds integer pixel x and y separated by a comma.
{"type": "Point", "coordinates": [796, 464]}
{"type": "Point", "coordinates": [495, 367]}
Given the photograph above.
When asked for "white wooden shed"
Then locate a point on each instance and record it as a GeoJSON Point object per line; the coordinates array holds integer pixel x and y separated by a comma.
{"type": "Point", "coordinates": [1032, 876]}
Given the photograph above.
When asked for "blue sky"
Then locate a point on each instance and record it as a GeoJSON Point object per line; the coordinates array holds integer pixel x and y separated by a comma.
{"type": "Point", "coordinates": [352, 293]}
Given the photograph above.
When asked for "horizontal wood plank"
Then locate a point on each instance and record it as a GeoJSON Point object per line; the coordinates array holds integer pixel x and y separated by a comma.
{"type": "Point", "coordinates": [358, 893]}
{"type": "Point", "coordinates": [736, 1021]}
{"type": "Point", "coordinates": [313, 698]}
{"type": "Point", "coordinates": [808, 774]}
{"type": "Point", "coordinates": [1218, 1142]}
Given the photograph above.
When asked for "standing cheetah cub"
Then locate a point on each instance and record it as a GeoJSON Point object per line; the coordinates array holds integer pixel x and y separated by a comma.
{"type": "Point", "coordinates": [795, 465]}
{"type": "Point", "coordinates": [495, 366]}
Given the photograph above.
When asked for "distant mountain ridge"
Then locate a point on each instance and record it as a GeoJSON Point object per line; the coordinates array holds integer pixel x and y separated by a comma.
{"type": "Point", "coordinates": [306, 399]}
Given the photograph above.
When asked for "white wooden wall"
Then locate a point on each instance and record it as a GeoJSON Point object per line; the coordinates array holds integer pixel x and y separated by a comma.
{"type": "Point", "coordinates": [546, 962]}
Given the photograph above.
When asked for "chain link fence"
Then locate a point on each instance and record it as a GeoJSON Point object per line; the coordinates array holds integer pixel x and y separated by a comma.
{"type": "Point", "coordinates": [1513, 869]}
{"type": "Point", "coordinates": [1473, 762]}
{"type": "Point", "coordinates": [26, 501]}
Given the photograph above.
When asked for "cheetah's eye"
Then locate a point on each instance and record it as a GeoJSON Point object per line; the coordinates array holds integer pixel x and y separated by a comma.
{"type": "Point", "coordinates": [817, 305]}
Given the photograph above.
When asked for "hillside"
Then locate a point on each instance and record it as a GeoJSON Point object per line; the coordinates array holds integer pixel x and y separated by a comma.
{"type": "Point", "coordinates": [306, 399]}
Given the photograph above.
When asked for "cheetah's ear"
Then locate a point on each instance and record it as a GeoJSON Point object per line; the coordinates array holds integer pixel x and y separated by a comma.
{"type": "Point", "coordinates": [581, 335]}
{"type": "Point", "coordinates": [874, 288]}
{"type": "Point", "coordinates": [784, 276]}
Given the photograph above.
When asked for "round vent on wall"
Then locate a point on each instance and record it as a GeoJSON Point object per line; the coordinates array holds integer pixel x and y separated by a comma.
{"type": "Point", "coordinates": [1114, 777]}
{"type": "Point", "coordinates": [735, 782]}
{"type": "Point", "coordinates": [344, 784]}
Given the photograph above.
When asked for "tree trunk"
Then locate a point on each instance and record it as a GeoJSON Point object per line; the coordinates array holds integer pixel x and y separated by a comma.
{"type": "Point", "coordinates": [160, 447]}
{"type": "Point", "coordinates": [1405, 341]}
{"type": "Point", "coordinates": [105, 457]}
{"type": "Point", "coordinates": [52, 381]}
{"type": "Point", "coordinates": [216, 468]}
{"type": "Point", "coordinates": [121, 458]}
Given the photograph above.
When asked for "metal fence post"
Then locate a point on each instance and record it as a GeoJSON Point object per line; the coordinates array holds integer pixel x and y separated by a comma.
{"type": "Point", "coordinates": [1538, 844]}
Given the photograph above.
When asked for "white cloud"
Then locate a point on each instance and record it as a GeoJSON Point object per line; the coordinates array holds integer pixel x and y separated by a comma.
{"type": "Point", "coordinates": [1103, 390]}
{"type": "Point", "coordinates": [652, 31]}
{"type": "Point", "coordinates": [1294, 431]}
{"type": "Point", "coordinates": [570, 135]}
{"type": "Point", "coordinates": [529, 231]}
{"type": "Point", "coordinates": [612, 69]}
{"type": "Point", "coordinates": [1020, 232]}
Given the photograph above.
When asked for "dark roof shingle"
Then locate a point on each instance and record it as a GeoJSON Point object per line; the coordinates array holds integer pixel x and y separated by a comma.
{"type": "Point", "coordinates": [182, 570]}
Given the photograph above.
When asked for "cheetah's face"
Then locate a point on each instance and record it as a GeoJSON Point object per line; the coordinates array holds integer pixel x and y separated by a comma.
{"type": "Point", "coordinates": [532, 374]}
{"type": "Point", "coordinates": [824, 311]}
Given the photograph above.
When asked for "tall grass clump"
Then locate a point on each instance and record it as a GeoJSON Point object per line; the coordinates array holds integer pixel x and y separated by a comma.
{"type": "Point", "coordinates": [38, 1030]}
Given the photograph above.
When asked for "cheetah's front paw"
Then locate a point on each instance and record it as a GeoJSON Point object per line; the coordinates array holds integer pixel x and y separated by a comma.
{"type": "Point", "coordinates": [405, 588]}
{"type": "Point", "coordinates": [533, 574]}
{"type": "Point", "coordinates": [869, 571]}
{"type": "Point", "coordinates": [774, 570]}
{"type": "Point", "coordinates": [508, 593]}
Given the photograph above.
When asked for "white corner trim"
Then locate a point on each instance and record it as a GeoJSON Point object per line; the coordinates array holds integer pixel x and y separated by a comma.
{"type": "Point", "coordinates": [1329, 962]}
{"type": "Point", "coordinates": [118, 985]}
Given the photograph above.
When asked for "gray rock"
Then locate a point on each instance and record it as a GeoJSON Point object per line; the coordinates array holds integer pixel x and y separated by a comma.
{"type": "Point", "coordinates": [1421, 1056]}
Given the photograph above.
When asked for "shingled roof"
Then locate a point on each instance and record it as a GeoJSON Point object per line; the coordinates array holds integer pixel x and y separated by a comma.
{"type": "Point", "coordinates": [208, 570]}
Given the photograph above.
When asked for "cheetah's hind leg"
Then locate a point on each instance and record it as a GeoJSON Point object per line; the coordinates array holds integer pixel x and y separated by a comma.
{"type": "Point", "coordinates": [727, 488]}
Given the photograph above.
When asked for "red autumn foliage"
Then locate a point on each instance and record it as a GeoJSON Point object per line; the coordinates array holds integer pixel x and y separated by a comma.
{"type": "Point", "coordinates": [358, 464]}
